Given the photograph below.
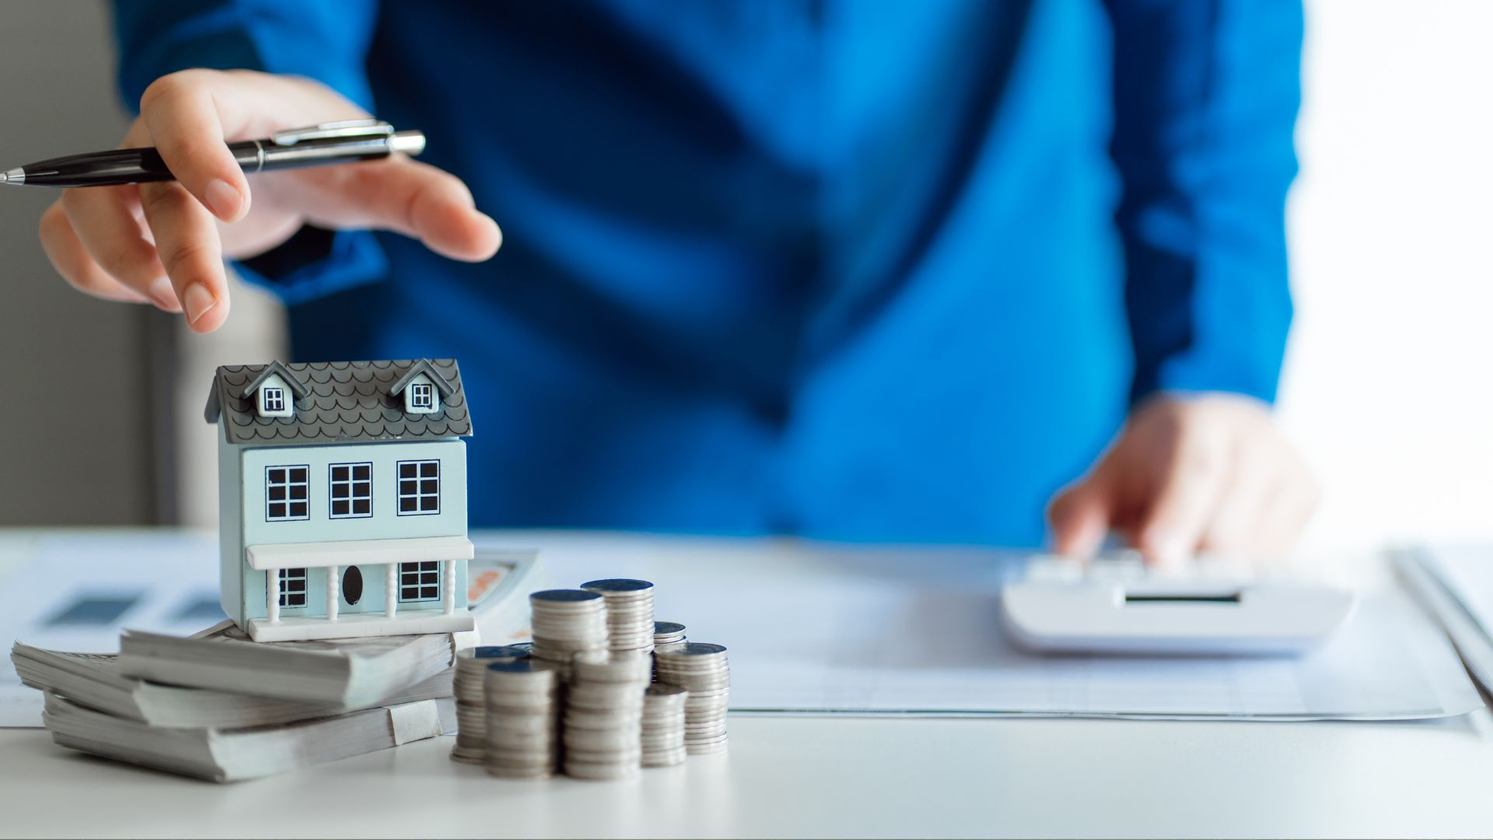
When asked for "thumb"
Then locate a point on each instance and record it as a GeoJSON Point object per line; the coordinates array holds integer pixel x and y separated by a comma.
{"type": "Point", "coordinates": [1080, 518]}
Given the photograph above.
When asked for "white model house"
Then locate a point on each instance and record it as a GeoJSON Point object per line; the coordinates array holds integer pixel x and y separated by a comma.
{"type": "Point", "coordinates": [343, 498]}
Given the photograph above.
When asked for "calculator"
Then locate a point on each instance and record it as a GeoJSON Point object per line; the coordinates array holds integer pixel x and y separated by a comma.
{"type": "Point", "coordinates": [1119, 605]}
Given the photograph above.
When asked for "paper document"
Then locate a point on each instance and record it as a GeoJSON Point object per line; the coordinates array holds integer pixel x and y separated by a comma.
{"type": "Point", "coordinates": [914, 631]}
{"type": "Point", "coordinates": [1456, 584]}
{"type": "Point", "coordinates": [76, 590]}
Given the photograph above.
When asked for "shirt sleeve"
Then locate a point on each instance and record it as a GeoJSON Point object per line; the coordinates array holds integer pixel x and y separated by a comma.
{"type": "Point", "coordinates": [325, 40]}
{"type": "Point", "coordinates": [1205, 96]}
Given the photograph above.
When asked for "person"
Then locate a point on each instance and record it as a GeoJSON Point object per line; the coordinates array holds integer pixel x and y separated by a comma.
{"type": "Point", "coordinates": [892, 271]}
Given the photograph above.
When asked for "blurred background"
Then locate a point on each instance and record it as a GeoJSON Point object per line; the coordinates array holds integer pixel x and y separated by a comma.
{"type": "Point", "coordinates": [1384, 386]}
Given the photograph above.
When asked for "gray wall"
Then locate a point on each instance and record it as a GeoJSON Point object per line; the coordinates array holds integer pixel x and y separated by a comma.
{"type": "Point", "coordinates": [112, 430]}
{"type": "Point", "coordinates": [76, 441]}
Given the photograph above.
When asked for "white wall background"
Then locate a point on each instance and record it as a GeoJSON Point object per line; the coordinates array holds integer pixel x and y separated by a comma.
{"type": "Point", "coordinates": [1387, 385]}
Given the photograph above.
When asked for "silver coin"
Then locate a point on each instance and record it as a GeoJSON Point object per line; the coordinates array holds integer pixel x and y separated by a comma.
{"type": "Point", "coordinates": [620, 585]}
{"type": "Point", "coordinates": [601, 772]}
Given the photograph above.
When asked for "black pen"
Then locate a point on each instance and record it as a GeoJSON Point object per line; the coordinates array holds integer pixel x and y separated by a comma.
{"type": "Point", "coordinates": [318, 145]}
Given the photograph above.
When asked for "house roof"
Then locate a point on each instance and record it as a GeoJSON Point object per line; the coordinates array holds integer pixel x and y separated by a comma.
{"type": "Point", "coordinates": [338, 402]}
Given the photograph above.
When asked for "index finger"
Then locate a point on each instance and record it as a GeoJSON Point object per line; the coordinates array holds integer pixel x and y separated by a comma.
{"type": "Point", "coordinates": [182, 116]}
{"type": "Point", "coordinates": [1173, 524]}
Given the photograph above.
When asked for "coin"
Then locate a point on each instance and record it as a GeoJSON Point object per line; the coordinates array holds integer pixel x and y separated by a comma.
{"type": "Point", "coordinates": [704, 671]}
{"type": "Point", "coordinates": [629, 613]}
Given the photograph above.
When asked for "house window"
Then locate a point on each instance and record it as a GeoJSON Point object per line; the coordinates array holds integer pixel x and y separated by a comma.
{"type": "Point", "coordinates": [352, 490]}
{"type": "Point", "coordinates": [274, 400]}
{"type": "Point", "coordinates": [420, 581]}
{"type": "Point", "coordinates": [422, 395]}
{"type": "Point", "coordinates": [285, 493]}
{"type": "Point", "coordinates": [292, 588]}
{"type": "Point", "coordinates": [419, 487]}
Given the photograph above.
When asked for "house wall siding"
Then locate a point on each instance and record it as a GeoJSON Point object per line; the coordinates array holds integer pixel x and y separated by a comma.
{"type": "Point", "coordinates": [383, 523]}
{"type": "Point", "coordinates": [230, 530]}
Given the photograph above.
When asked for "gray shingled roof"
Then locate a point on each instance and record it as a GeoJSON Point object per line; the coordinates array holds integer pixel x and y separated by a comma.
{"type": "Point", "coordinates": [344, 401]}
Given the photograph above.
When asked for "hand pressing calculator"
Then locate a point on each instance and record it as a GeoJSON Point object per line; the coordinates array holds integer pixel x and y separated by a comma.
{"type": "Point", "coordinates": [1120, 606]}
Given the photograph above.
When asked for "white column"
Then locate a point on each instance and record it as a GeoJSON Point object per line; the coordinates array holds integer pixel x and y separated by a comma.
{"type": "Point", "coordinates": [272, 595]}
{"type": "Point", "coordinates": [391, 589]}
{"type": "Point", "coordinates": [448, 589]}
{"type": "Point", "coordinates": [334, 582]}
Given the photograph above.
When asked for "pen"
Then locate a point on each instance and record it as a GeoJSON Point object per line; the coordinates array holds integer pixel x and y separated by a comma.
{"type": "Point", "coordinates": [347, 141]}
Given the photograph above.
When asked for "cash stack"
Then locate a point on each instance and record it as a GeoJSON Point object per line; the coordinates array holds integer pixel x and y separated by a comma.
{"type": "Point", "coordinates": [222, 707]}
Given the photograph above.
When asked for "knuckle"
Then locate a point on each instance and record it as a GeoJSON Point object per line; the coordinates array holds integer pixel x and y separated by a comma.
{"type": "Point", "coordinates": [160, 199]}
{"type": "Point", "coordinates": [125, 260]}
{"type": "Point", "coordinates": [183, 255]}
{"type": "Point", "coordinates": [72, 200]}
{"type": "Point", "coordinates": [172, 86]}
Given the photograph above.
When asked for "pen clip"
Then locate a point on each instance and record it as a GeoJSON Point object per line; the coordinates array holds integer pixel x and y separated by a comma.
{"type": "Point", "coordinates": [342, 128]}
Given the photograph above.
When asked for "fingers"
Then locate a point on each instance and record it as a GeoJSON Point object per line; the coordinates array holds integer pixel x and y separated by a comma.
{"type": "Point", "coordinates": [1190, 487]}
{"type": "Point", "coordinates": [1239, 521]}
{"type": "Point", "coordinates": [412, 198]}
{"type": "Point", "coordinates": [107, 223]}
{"type": "Point", "coordinates": [187, 241]}
{"type": "Point", "coordinates": [1288, 509]}
{"type": "Point", "coordinates": [1080, 517]}
{"type": "Point", "coordinates": [181, 113]}
{"type": "Point", "coordinates": [72, 261]}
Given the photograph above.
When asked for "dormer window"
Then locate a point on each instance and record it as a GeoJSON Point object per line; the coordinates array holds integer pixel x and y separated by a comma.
{"type": "Point", "coordinates": [422, 395]}
{"type": "Point", "coordinates": [275, 398]}
{"type": "Point", "coordinates": [422, 387]}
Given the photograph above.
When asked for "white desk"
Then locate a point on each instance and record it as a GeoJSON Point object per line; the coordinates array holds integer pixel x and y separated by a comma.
{"type": "Point", "coordinates": [829, 777]}
{"type": "Point", "coordinates": [803, 778]}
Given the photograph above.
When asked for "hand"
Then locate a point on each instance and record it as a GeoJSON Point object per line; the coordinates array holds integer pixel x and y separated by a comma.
{"type": "Point", "coordinates": [164, 243]}
{"type": "Point", "coordinates": [1208, 473]}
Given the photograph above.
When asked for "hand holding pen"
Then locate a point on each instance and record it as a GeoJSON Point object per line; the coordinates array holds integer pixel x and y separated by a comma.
{"type": "Point", "coordinates": [160, 241]}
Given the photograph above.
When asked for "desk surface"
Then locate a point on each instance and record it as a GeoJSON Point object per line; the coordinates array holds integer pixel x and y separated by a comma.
{"type": "Point", "coordinates": [788, 776]}
{"type": "Point", "coordinates": [813, 777]}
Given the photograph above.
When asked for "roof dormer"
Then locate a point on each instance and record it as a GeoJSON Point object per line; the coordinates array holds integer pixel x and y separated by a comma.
{"type": "Point", "coordinates": [274, 399]}
{"type": "Point", "coordinates": [275, 391]}
{"type": "Point", "coordinates": [422, 388]}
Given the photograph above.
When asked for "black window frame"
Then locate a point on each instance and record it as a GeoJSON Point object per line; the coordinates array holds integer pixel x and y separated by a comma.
{"type": "Point", "coordinates": [415, 488]}
{"type": "Point", "coordinates": [288, 500]}
{"type": "Point", "coordinates": [351, 484]}
{"type": "Point", "coordinates": [422, 395]}
{"type": "Point", "coordinates": [423, 578]}
{"type": "Point", "coordinates": [294, 586]}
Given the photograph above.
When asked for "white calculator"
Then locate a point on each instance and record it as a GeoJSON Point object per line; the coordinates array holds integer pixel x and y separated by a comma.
{"type": "Point", "coordinates": [1118, 605]}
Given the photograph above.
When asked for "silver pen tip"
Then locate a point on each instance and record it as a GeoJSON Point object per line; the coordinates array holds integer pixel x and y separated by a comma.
{"type": "Point", "coordinates": [13, 176]}
{"type": "Point", "coordinates": [4, 177]}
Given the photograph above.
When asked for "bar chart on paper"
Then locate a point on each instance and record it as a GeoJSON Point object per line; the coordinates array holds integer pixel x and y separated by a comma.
{"type": "Point", "coordinates": [77, 591]}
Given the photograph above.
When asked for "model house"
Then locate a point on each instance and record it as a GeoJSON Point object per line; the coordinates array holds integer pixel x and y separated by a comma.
{"type": "Point", "coordinates": [343, 498]}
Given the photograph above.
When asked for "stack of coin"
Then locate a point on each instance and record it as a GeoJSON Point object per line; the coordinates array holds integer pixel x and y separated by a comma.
{"type": "Point", "coordinates": [629, 614]}
{"type": "Point", "coordinates": [663, 725]}
{"type": "Point", "coordinates": [702, 669]}
{"type": "Point", "coordinates": [567, 622]}
{"type": "Point", "coordinates": [667, 633]}
{"type": "Point", "coordinates": [471, 713]}
{"type": "Point", "coordinates": [604, 716]}
{"type": "Point", "coordinates": [523, 727]}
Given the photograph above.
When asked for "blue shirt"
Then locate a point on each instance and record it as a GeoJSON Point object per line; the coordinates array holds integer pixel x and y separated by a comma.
{"type": "Point", "coordinates": [887, 270]}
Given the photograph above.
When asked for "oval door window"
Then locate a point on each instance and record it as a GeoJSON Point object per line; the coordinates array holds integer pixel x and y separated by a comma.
{"type": "Point", "coordinates": [352, 585]}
